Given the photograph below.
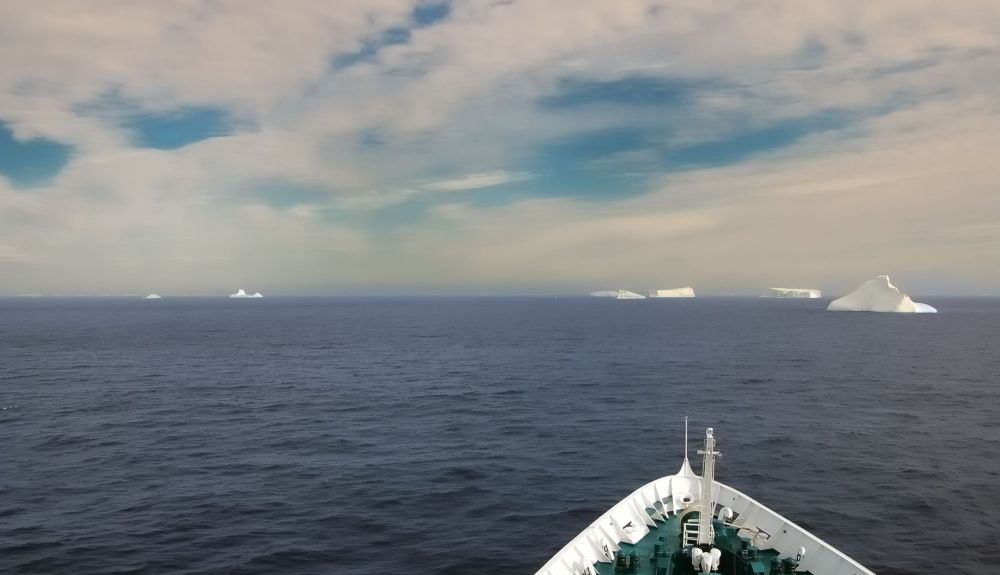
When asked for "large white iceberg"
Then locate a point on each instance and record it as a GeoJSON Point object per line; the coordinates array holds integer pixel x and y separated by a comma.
{"type": "Point", "coordinates": [152, 296]}
{"type": "Point", "coordinates": [242, 294]}
{"type": "Point", "coordinates": [676, 292]}
{"type": "Point", "coordinates": [625, 294]}
{"type": "Point", "coordinates": [879, 295]}
{"type": "Point", "coordinates": [792, 292]}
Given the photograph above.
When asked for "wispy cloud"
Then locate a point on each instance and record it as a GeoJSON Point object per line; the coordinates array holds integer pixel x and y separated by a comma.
{"type": "Point", "coordinates": [477, 181]}
{"type": "Point", "coordinates": [11, 255]}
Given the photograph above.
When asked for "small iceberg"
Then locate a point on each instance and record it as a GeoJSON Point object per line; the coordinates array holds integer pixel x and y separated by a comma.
{"type": "Point", "coordinates": [241, 294]}
{"type": "Point", "coordinates": [676, 292]}
{"type": "Point", "coordinates": [604, 293]}
{"type": "Point", "coordinates": [152, 296]}
{"type": "Point", "coordinates": [792, 293]}
{"type": "Point", "coordinates": [625, 294]}
{"type": "Point", "coordinates": [881, 296]}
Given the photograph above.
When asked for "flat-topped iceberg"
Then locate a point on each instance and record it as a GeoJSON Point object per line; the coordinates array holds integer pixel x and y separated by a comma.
{"type": "Point", "coordinates": [625, 294]}
{"type": "Point", "coordinates": [152, 296]}
{"type": "Point", "coordinates": [604, 293]}
{"type": "Point", "coordinates": [617, 294]}
{"type": "Point", "coordinates": [240, 294]}
{"type": "Point", "coordinates": [879, 295]}
{"type": "Point", "coordinates": [675, 292]}
{"type": "Point", "coordinates": [792, 292]}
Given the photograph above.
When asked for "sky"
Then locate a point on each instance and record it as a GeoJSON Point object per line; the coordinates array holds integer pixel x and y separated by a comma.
{"type": "Point", "coordinates": [489, 146]}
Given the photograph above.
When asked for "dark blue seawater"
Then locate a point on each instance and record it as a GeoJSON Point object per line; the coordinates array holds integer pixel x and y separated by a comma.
{"type": "Point", "coordinates": [479, 435]}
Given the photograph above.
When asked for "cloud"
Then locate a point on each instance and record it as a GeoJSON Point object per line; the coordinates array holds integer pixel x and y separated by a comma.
{"type": "Point", "coordinates": [376, 199]}
{"type": "Point", "coordinates": [11, 255]}
{"type": "Point", "coordinates": [477, 181]}
{"type": "Point", "coordinates": [648, 141]}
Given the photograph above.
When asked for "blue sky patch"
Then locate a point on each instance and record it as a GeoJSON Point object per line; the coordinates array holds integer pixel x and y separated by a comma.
{"type": "Point", "coordinates": [743, 144]}
{"type": "Point", "coordinates": [370, 140]}
{"type": "Point", "coordinates": [178, 128]}
{"type": "Point", "coordinates": [625, 92]}
{"type": "Point", "coordinates": [430, 13]}
{"type": "Point", "coordinates": [572, 166]}
{"type": "Point", "coordinates": [423, 15]}
{"type": "Point", "coordinates": [30, 163]}
{"type": "Point", "coordinates": [904, 66]}
{"type": "Point", "coordinates": [617, 163]}
{"type": "Point", "coordinates": [370, 48]}
{"type": "Point", "coordinates": [581, 148]}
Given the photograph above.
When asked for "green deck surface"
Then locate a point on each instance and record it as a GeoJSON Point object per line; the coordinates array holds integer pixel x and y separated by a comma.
{"type": "Point", "coordinates": [667, 534]}
{"type": "Point", "coordinates": [670, 531]}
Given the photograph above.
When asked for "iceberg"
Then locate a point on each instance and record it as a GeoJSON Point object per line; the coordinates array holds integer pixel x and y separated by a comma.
{"type": "Point", "coordinates": [604, 293]}
{"type": "Point", "coordinates": [152, 296]}
{"type": "Point", "coordinates": [617, 294]}
{"type": "Point", "coordinates": [676, 292]}
{"type": "Point", "coordinates": [625, 294]}
{"type": "Point", "coordinates": [792, 292]}
{"type": "Point", "coordinates": [241, 294]}
{"type": "Point", "coordinates": [879, 295]}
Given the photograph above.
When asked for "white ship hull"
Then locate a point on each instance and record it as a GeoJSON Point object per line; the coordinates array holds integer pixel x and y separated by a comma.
{"type": "Point", "coordinates": [629, 521]}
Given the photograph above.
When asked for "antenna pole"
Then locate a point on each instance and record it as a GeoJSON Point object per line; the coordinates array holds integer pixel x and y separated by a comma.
{"type": "Point", "coordinates": [685, 437]}
{"type": "Point", "coordinates": [705, 536]}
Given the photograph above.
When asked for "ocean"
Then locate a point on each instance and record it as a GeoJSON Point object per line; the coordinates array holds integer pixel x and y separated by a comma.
{"type": "Point", "coordinates": [479, 435]}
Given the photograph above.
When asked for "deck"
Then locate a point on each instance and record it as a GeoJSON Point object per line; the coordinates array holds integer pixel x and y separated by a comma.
{"type": "Point", "coordinates": [660, 552]}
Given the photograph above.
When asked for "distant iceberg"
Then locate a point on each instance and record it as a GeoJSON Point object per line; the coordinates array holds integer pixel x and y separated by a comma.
{"type": "Point", "coordinates": [625, 294]}
{"type": "Point", "coordinates": [792, 293]}
{"type": "Point", "coordinates": [242, 294]}
{"type": "Point", "coordinates": [676, 292]}
{"type": "Point", "coordinates": [604, 293]}
{"type": "Point", "coordinates": [152, 296]}
{"type": "Point", "coordinates": [879, 295]}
